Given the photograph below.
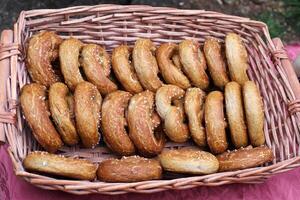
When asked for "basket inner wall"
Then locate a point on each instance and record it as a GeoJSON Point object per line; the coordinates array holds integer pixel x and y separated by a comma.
{"type": "Point", "coordinates": [112, 27]}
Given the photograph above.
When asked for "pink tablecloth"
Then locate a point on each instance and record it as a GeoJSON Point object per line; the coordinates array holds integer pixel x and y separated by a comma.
{"type": "Point", "coordinates": [283, 186]}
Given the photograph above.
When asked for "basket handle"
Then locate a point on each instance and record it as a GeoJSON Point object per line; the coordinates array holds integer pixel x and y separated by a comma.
{"type": "Point", "coordinates": [291, 74]}
{"type": "Point", "coordinates": [5, 54]}
{"type": "Point", "coordinates": [288, 67]}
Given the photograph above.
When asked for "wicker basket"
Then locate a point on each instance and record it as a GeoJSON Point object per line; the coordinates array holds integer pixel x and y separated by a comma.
{"type": "Point", "coordinates": [111, 25]}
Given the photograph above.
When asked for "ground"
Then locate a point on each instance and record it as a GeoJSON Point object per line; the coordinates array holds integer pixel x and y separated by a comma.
{"type": "Point", "coordinates": [282, 16]}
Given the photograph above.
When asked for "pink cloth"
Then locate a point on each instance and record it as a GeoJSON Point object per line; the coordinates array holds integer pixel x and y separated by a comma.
{"type": "Point", "coordinates": [283, 186]}
{"type": "Point", "coordinates": [293, 50]}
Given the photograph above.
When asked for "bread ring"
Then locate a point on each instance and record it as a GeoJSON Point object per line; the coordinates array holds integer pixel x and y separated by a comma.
{"type": "Point", "coordinates": [215, 62]}
{"type": "Point", "coordinates": [87, 105]}
{"type": "Point", "coordinates": [124, 70]}
{"type": "Point", "coordinates": [176, 61]}
{"type": "Point", "coordinates": [169, 71]}
{"type": "Point", "coordinates": [114, 122]}
{"type": "Point", "coordinates": [36, 113]}
{"type": "Point", "coordinates": [179, 103]}
{"type": "Point", "coordinates": [42, 50]}
{"type": "Point", "coordinates": [215, 122]}
{"type": "Point", "coordinates": [194, 108]}
{"type": "Point", "coordinates": [96, 63]}
{"type": "Point", "coordinates": [129, 169]}
{"type": "Point", "coordinates": [69, 52]}
{"type": "Point", "coordinates": [61, 114]}
{"type": "Point", "coordinates": [254, 113]}
{"type": "Point", "coordinates": [244, 158]}
{"type": "Point", "coordinates": [172, 116]}
{"type": "Point", "coordinates": [193, 63]}
{"type": "Point", "coordinates": [75, 168]}
{"type": "Point", "coordinates": [70, 101]}
{"type": "Point", "coordinates": [237, 58]}
{"type": "Point", "coordinates": [141, 126]}
{"type": "Point", "coordinates": [188, 160]}
{"type": "Point", "coordinates": [145, 64]}
{"type": "Point", "coordinates": [155, 118]}
{"type": "Point", "coordinates": [235, 114]}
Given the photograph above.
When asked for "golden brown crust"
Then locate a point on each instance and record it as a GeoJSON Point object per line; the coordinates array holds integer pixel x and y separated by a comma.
{"type": "Point", "coordinates": [96, 63]}
{"type": "Point", "coordinates": [75, 168]}
{"type": "Point", "coordinates": [244, 158]}
{"type": "Point", "coordinates": [69, 52]}
{"type": "Point", "coordinates": [235, 114]}
{"type": "Point", "coordinates": [145, 64]}
{"type": "Point", "coordinates": [194, 109]}
{"type": "Point", "coordinates": [170, 72]}
{"type": "Point", "coordinates": [61, 113]}
{"type": "Point", "coordinates": [172, 115]}
{"type": "Point", "coordinates": [124, 70]}
{"type": "Point", "coordinates": [87, 105]}
{"type": "Point", "coordinates": [176, 61]}
{"type": "Point", "coordinates": [142, 121]}
{"type": "Point", "coordinates": [189, 160]}
{"type": "Point", "coordinates": [114, 122]}
{"type": "Point", "coordinates": [254, 113]}
{"type": "Point", "coordinates": [215, 122]}
{"type": "Point", "coordinates": [42, 50]}
{"type": "Point", "coordinates": [237, 58]}
{"type": "Point", "coordinates": [36, 113]}
{"type": "Point", "coordinates": [215, 62]}
{"type": "Point", "coordinates": [129, 169]}
{"type": "Point", "coordinates": [193, 62]}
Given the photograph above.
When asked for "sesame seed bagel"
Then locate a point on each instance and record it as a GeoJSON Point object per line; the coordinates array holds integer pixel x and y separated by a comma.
{"type": "Point", "coordinates": [172, 115]}
{"type": "Point", "coordinates": [114, 123]}
{"type": "Point", "coordinates": [129, 169]}
{"type": "Point", "coordinates": [58, 165]}
{"type": "Point", "coordinates": [189, 161]}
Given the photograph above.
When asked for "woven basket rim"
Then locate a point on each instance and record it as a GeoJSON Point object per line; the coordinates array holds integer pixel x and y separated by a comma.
{"type": "Point", "coordinates": [180, 10]}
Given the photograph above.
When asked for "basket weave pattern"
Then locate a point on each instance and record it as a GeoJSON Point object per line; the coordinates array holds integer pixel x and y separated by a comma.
{"type": "Point", "coordinates": [112, 25]}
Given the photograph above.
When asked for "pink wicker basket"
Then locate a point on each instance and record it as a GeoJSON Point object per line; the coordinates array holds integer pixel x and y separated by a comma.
{"type": "Point", "coordinates": [111, 25]}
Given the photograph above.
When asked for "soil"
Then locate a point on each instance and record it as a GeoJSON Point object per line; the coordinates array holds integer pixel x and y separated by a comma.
{"type": "Point", "coordinates": [272, 12]}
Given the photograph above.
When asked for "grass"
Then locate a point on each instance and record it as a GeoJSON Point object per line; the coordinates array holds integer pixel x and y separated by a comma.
{"type": "Point", "coordinates": [292, 13]}
{"type": "Point", "coordinates": [283, 22]}
{"type": "Point", "coordinates": [275, 22]}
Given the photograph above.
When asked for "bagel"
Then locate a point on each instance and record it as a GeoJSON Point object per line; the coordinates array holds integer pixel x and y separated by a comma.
{"type": "Point", "coordinates": [215, 62]}
{"type": "Point", "coordinates": [235, 114]}
{"type": "Point", "coordinates": [194, 109]}
{"type": "Point", "coordinates": [36, 113]}
{"type": "Point", "coordinates": [69, 52]}
{"type": "Point", "coordinates": [87, 106]}
{"type": "Point", "coordinates": [244, 158]}
{"type": "Point", "coordinates": [215, 122]}
{"type": "Point", "coordinates": [61, 114]}
{"type": "Point", "coordinates": [124, 70]}
{"type": "Point", "coordinates": [129, 169]}
{"type": "Point", "coordinates": [254, 113]}
{"type": "Point", "coordinates": [237, 58]}
{"type": "Point", "coordinates": [145, 64]}
{"type": "Point", "coordinates": [59, 165]}
{"type": "Point", "coordinates": [142, 122]}
{"type": "Point", "coordinates": [176, 61]}
{"type": "Point", "coordinates": [189, 161]}
{"type": "Point", "coordinates": [172, 115]}
{"type": "Point", "coordinates": [171, 73]}
{"type": "Point", "coordinates": [193, 63]}
{"type": "Point", "coordinates": [114, 123]}
{"type": "Point", "coordinates": [42, 50]}
{"type": "Point", "coordinates": [96, 66]}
